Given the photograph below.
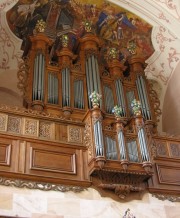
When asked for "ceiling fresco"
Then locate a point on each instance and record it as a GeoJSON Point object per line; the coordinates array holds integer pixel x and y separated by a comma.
{"type": "Point", "coordinates": [116, 26]}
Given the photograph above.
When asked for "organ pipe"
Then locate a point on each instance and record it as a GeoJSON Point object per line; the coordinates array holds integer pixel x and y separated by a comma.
{"type": "Point", "coordinates": [98, 136]}
{"type": "Point", "coordinates": [52, 88]}
{"type": "Point", "coordinates": [143, 97]}
{"type": "Point", "coordinates": [92, 76]}
{"type": "Point", "coordinates": [78, 94]}
{"type": "Point", "coordinates": [120, 96]}
{"type": "Point", "coordinates": [38, 81]}
{"type": "Point", "coordinates": [121, 144]}
{"type": "Point", "coordinates": [66, 87]}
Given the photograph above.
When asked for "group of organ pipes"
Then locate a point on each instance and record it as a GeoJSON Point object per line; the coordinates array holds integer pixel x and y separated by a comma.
{"type": "Point", "coordinates": [65, 90]}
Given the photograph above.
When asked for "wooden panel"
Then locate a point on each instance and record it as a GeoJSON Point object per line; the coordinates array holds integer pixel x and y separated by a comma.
{"type": "Point", "coordinates": [5, 153]}
{"type": "Point", "coordinates": [53, 161]}
{"type": "Point", "coordinates": [168, 174]}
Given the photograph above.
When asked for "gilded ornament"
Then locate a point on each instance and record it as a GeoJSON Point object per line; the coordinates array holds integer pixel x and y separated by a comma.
{"type": "Point", "coordinates": [132, 47]}
{"type": "Point", "coordinates": [87, 25]}
{"type": "Point", "coordinates": [65, 41]}
{"type": "Point", "coordinates": [40, 26]}
{"type": "Point", "coordinates": [113, 53]}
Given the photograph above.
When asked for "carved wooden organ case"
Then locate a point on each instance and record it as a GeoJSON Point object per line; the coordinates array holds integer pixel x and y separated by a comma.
{"type": "Point", "coordinates": [80, 126]}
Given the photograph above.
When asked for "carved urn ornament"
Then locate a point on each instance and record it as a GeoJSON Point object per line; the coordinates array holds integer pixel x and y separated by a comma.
{"type": "Point", "coordinates": [136, 107]}
{"type": "Point", "coordinates": [113, 53]}
{"type": "Point", "coordinates": [132, 47]}
{"type": "Point", "coordinates": [95, 99]}
{"type": "Point", "coordinates": [40, 26]}
{"type": "Point", "coordinates": [65, 41]}
{"type": "Point", "coordinates": [87, 25]}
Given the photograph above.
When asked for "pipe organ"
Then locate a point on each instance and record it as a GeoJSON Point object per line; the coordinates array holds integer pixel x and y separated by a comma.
{"type": "Point", "coordinates": [89, 117]}
{"type": "Point", "coordinates": [76, 87]}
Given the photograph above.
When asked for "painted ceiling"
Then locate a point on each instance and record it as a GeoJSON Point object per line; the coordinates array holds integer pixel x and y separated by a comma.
{"type": "Point", "coordinates": [116, 26]}
{"type": "Point", "coordinates": [162, 15]}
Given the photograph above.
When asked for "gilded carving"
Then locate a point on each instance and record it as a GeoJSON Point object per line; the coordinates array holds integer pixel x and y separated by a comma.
{"type": "Point", "coordinates": [31, 127]}
{"type": "Point", "coordinates": [41, 186]}
{"type": "Point", "coordinates": [3, 122]}
{"type": "Point", "coordinates": [74, 134]}
{"type": "Point", "coordinates": [45, 130]}
{"type": "Point", "coordinates": [14, 124]}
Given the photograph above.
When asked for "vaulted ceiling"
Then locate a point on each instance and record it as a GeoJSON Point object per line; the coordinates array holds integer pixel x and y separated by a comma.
{"type": "Point", "coordinates": [162, 65]}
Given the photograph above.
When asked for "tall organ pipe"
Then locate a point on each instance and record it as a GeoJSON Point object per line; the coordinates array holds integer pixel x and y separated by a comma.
{"type": "Point", "coordinates": [65, 87]}
{"type": "Point", "coordinates": [143, 97]}
{"type": "Point", "coordinates": [38, 79]}
{"type": "Point", "coordinates": [143, 145]}
{"type": "Point", "coordinates": [120, 95]}
{"type": "Point", "coordinates": [78, 94]}
{"type": "Point", "coordinates": [140, 93]}
{"type": "Point", "coordinates": [92, 76]}
{"type": "Point", "coordinates": [98, 136]}
{"type": "Point", "coordinates": [121, 144]}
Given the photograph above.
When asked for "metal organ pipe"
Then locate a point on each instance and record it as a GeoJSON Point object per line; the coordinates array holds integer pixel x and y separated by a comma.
{"type": "Point", "coordinates": [88, 84]}
{"type": "Point", "coordinates": [144, 144]}
{"type": "Point", "coordinates": [38, 83]}
{"type": "Point", "coordinates": [94, 73]}
{"type": "Point", "coordinates": [111, 152]}
{"type": "Point", "coordinates": [92, 76]}
{"type": "Point", "coordinates": [52, 88]}
{"type": "Point", "coordinates": [143, 97]}
{"type": "Point", "coordinates": [140, 93]}
{"type": "Point", "coordinates": [98, 77]}
{"type": "Point", "coordinates": [98, 138]}
{"type": "Point", "coordinates": [78, 94]}
{"type": "Point", "coordinates": [66, 87]}
{"type": "Point", "coordinates": [109, 101]}
{"type": "Point", "coordinates": [120, 95]}
{"type": "Point", "coordinates": [121, 143]}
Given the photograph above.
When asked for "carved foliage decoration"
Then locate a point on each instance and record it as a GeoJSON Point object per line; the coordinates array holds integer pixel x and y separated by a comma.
{"type": "Point", "coordinates": [161, 148]}
{"type": "Point", "coordinates": [40, 186]}
{"type": "Point", "coordinates": [74, 134]}
{"type": "Point", "coordinates": [31, 127]}
{"type": "Point", "coordinates": [121, 190]}
{"type": "Point", "coordinates": [22, 75]}
{"type": "Point", "coordinates": [45, 129]}
{"type": "Point", "coordinates": [3, 122]}
{"type": "Point", "coordinates": [87, 139]}
{"type": "Point", "coordinates": [14, 124]}
{"type": "Point", "coordinates": [175, 150]}
{"type": "Point", "coordinates": [155, 101]}
{"type": "Point", "coordinates": [167, 197]}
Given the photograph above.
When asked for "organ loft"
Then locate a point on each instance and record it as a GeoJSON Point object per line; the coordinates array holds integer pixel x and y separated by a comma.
{"type": "Point", "coordinates": [89, 116]}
